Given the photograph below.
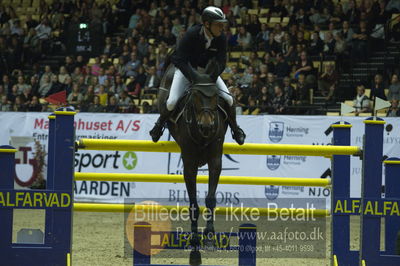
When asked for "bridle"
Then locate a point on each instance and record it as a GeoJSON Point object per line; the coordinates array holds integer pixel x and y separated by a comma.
{"type": "Point", "coordinates": [193, 112]}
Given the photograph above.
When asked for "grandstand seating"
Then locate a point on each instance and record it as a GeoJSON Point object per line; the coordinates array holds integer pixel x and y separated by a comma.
{"type": "Point", "coordinates": [357, 72]}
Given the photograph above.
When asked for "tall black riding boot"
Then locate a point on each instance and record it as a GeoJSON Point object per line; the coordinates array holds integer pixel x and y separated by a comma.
{"type": "Point", "coordinates": [158, 128]}
{"type": "Point", "coordinates": [237, 133]}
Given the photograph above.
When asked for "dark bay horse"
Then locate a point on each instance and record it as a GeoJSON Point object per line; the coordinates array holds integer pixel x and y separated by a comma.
{"type": "Point", "coordinates": [199, 128]}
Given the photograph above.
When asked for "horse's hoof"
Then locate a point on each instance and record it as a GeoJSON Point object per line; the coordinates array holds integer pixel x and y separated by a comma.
{"type": "Point", "coordinates": [195, 258]}
{"type": "Point", "coordinates": [209, 244]}
{"type": "Point", "coordinates": [209, 239]}
{"type": "Point", "coordinates": [195, 241]}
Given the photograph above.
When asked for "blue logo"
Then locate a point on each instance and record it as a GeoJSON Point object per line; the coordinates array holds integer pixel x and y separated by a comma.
{"type": "Point", "coordinates": [275, 133]}
{"type": "Point", "coordinates": [271, 192]}
{"type": "Point", "coordinates": [273, 162]}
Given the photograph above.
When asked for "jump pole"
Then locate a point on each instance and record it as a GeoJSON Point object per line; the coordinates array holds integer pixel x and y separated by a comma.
{"type": "Point", "coordinates": [229, 148]}
{"type": "Point", "coordinates": [231, 180]}
{"type": "Point", "coordinates": [104, 207]}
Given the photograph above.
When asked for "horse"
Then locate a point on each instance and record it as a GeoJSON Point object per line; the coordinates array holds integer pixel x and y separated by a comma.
{"type": "Point", "coordinates": [198, 125]}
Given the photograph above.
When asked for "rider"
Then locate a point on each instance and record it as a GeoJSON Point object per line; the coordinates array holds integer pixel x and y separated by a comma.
{"type": "Point", "coordinates": [199, 45]}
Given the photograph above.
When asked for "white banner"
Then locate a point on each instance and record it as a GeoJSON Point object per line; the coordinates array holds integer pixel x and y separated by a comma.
{"type": "Point", "coordinates": [26, 131]}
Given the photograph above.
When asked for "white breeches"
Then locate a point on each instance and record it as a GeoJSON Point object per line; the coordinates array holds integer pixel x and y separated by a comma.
{"type": "Point", "coordinates": [180, 83]}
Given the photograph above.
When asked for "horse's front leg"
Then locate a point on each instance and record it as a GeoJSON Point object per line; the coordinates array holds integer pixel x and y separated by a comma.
{"type": "Point", "coordinates": [214, 166]}
{"type": "Point", "coordinates": [190, 174]}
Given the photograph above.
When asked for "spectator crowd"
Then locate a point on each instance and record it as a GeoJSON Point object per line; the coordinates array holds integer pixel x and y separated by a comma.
{"type": "Point", "coordinates": [272, 44]}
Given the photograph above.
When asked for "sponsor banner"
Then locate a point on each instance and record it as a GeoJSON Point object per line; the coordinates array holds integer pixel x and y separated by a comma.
{"type": "Point", "coordinates": [28, 132]}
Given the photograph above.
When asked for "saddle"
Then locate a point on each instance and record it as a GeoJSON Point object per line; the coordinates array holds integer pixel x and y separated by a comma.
{"type": "Point", "coordinates": [207, 89]}
{"type": "Point", "coordinates": [182, 105]}
{"type": "Point", "coordinates": [204, 87]}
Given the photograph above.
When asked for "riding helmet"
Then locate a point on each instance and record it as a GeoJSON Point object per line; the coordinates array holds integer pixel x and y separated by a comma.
{"type": "Point", "coordinates": [213, 14]}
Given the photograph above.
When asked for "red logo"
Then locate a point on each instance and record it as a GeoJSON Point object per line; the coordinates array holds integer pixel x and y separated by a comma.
{"type": "Point", "coordinates": [25, 160]}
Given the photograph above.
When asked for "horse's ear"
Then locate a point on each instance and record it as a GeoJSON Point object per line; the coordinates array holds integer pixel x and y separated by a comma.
{"type": "Point", "coordinates": [211, 66]}
{"type": "Point", "coordinates": [212, 69]}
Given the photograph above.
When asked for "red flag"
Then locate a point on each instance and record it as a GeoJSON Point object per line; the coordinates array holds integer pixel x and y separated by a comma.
{"type": "Point", "coordinates": [57, 98]}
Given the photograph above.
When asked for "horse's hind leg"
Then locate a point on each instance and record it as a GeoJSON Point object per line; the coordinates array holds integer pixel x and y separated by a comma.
{"type": "Point", "coordinates": [190, 174]}
{"type": "Point", "coordinates": [215, 165]}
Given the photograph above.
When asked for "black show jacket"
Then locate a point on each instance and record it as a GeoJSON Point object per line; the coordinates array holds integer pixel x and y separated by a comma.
{"type": "Point", "coordinates": [191, 52]}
